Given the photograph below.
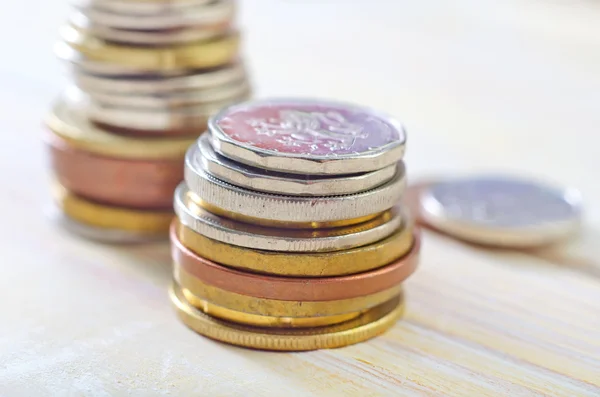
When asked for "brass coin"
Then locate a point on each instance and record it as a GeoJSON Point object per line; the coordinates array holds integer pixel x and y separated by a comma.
{"type": "Point", "coordinates": [366, 326]}
{"type": "Point", "coordinates": [104, 216]}
{"type": "Point", "coordinates": [71, 124]}
{"type": "Point", "coordinates": [278, 308]}
{"type": "Point", "coordinates": [198, 55]}
{"type": "Point", "coordinates": [311, 264]}
{"type": "Point", "coordinates": [265, 321]}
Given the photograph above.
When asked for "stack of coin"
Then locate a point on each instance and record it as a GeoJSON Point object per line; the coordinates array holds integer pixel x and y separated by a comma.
{"type": "Point", "coordinates": [145, 77]}
{"type": "Point", "coordinates": [289, 234]}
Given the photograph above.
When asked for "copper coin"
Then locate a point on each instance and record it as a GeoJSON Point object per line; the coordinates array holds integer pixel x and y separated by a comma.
{"type": "Point", "coordinates": [122, 182]}
{"type": "Point", "coordinates": [295, 288]}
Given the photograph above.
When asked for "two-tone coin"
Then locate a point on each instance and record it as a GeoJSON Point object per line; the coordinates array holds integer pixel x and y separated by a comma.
{"type": "Point", "coordinates": [502, 211]}
{"type": "Point", "coordinates": [291, 211]}
{"type": "Point", "coordinates": [242, 234]}
{"type": "Point", "coordinates": [307, 136]}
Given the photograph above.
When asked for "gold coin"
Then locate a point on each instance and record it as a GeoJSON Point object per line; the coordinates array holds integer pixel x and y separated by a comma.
{"type": "Point", "coordinates": [104, 216]}
{"type": "Point", "coordinates": [286, 225]}
{"type": "Point", "coordinates": [366, 326]}
{"type": "Point", "coordinates": [317, 264]}
{"type": "Point", "coordinates": [198, 55]}
{"type": "Point", "coordinates": [71, 125]}
{"type": "Point", "coordinates": [265, 321]}
{"type": "Point", "coordinates": [278, 308]}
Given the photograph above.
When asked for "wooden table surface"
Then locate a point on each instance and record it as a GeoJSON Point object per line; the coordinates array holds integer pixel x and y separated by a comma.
{"type": "Point", "coordinates": [482, 85]}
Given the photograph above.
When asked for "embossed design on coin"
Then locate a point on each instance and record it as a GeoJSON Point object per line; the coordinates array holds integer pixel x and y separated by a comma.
{"type": "Point", "coordinates": [307, 128]}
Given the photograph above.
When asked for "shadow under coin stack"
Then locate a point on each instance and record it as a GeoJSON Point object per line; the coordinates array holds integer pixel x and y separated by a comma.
{"type": "Point", "coordinates": [289, 233]}
{"type": "Point", "coordinates": [146, 76]}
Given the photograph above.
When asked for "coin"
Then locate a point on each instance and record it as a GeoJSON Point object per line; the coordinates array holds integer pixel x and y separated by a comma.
{"type": "Point", "coordinates": [289, 211]}
{"type": "Point", "coordinates": [288, 240]}
{"type": "Point", "coordinates": [304, 264]}
{"type": "Point", "coordinates": [70, 123]}
{"type": "Point", "coordinates": [194, 289]}
{"type": "Point", "coordinates": [502, 211]}
{"type": "Point", "coordinates": [115, 181]}
{"type": "Point", "coordinates": [295, 288]}
{"type": "Point", "coordinates": [75, 60]}
{"type": "Point", "coordinates": [138, 7]}
{"type": "Point", "coordinates": [181, 121]}
{"type": "Point", "coordinates": [110, 217]}
{"type": "Point", "coordinates": [161, 102]}
{"type": "Point", "coordinates": [174, 36]}
{"type": "Point", "coordinates": [232, 74]}
{"type": "Point", "coordinates": [307, 136]}
{"type": "Point", "coordinates": [368, 325]}
{"type": "Point", "coordinates": [197, 55]}
{"type": "Point", "coordinates": [166, 18]}
{"type": "Point", "coordinates": [100, 234]}
{"type": "Point", "coordinates": [203, 156]}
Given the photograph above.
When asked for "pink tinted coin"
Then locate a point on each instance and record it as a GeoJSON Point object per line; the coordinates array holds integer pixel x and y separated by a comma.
{"type": "Point", "coordinates": [314, 132]}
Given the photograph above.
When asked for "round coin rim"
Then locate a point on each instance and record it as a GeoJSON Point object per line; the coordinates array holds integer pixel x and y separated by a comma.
{"type": "Point", "coordinates": [69, 123]}
{"type": "Point", "coordinates": [286, 240]}
{"type": "Point", "coordinates": [300, 209]}
{"type": "Point", "coordinates": [301, 264]}
{"type": "Point", "coordinates": [300, 339]}
{"type": "Point", "coordinates": [433, 214]}
{"type": "Point", "coordinates": [296, 288]}
{"type": "Point", "coordinates": [232, 73]}
{"type": "Point", "coordinates": [302, 163]}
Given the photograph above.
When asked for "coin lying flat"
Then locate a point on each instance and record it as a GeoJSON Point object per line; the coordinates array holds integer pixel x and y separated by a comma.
{"type": "Point", "coordinates": [286, 211]}
{"type": "Point", "coordinates": [175, 36]}
{"type": "Point", "coordinates": [100, 234]}
{"type": "Point", "coordinates": [138, 7]}
{"type": "Point", "coordinates": [232, 74]}
{"type": "Point", "coordinates": [203, 156]}
{"type": "Point", "coordinates": [71, 124]}
{"type": "Point", "coordinates": [502, 211]}
{"type": "Point", "coordinates": [368, 325]}
{"type": "Point", "coordinates": [305, 264]}
{"type": "Point", "coordinates": [183, 120]}
{"type": "Point", "coordinates": [273, 239]}
{"type": "Point", "coordinates": [173, 17]}
{"type": "Point", "coordinates": [307, 136]}
{"type": "Point", "coordinates": [223, 94]}
{"type": "Point", "coordinates": [195, 55]}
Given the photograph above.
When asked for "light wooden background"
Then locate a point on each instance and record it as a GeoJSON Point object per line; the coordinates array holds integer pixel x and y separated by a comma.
{"type": "Point", "coordinates": [511, 85]}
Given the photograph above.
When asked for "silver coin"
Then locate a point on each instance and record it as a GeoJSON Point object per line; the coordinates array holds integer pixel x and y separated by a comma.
{"type": "Point", "coordinates": [233, 74]}
{"type": "Point", "coordinates": [272, 239]}
{"type": "Point", "coordinates": [502, 211]}
{"type": "Point", "coordinates": [103, 235]}
{"type": "Point", "coordinates": [307, 136]}
{"type": "Point", "coordinates": [293, 209]}
{"type": "Point", "coordinates": [225, 94]}
{"type": "Point", "coordinates": [203, 156]}
{"type": "Point", "coordinates": [193, 117]}
{"type": "Point", "coordinates": [137, 7]}
{"type": "Point", "coordinates": [219, 12]}
{"type": "Point", "coordinates": [77, 61]}
{"type": "Point", "coordinates": [178, 36]}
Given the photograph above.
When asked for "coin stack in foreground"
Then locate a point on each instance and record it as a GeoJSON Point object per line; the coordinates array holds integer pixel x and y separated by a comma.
{"type": "Point", "coordinates": [289, 234]}
{"type": "Point", "coordinates": [146, 75]}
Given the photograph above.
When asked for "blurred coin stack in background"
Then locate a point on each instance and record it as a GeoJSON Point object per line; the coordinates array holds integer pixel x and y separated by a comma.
{"type": "Point", "coordinates": [146, 75]}
{"type": "Point", "coordinates": [289, 233]}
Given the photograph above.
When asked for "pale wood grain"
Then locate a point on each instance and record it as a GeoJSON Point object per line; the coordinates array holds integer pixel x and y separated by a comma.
{"type": "Point", "coordinates": [482, 85]}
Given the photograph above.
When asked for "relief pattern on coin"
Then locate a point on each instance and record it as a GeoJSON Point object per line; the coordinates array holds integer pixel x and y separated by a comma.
{"type": "Point", "coordinates": [308, 129]}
